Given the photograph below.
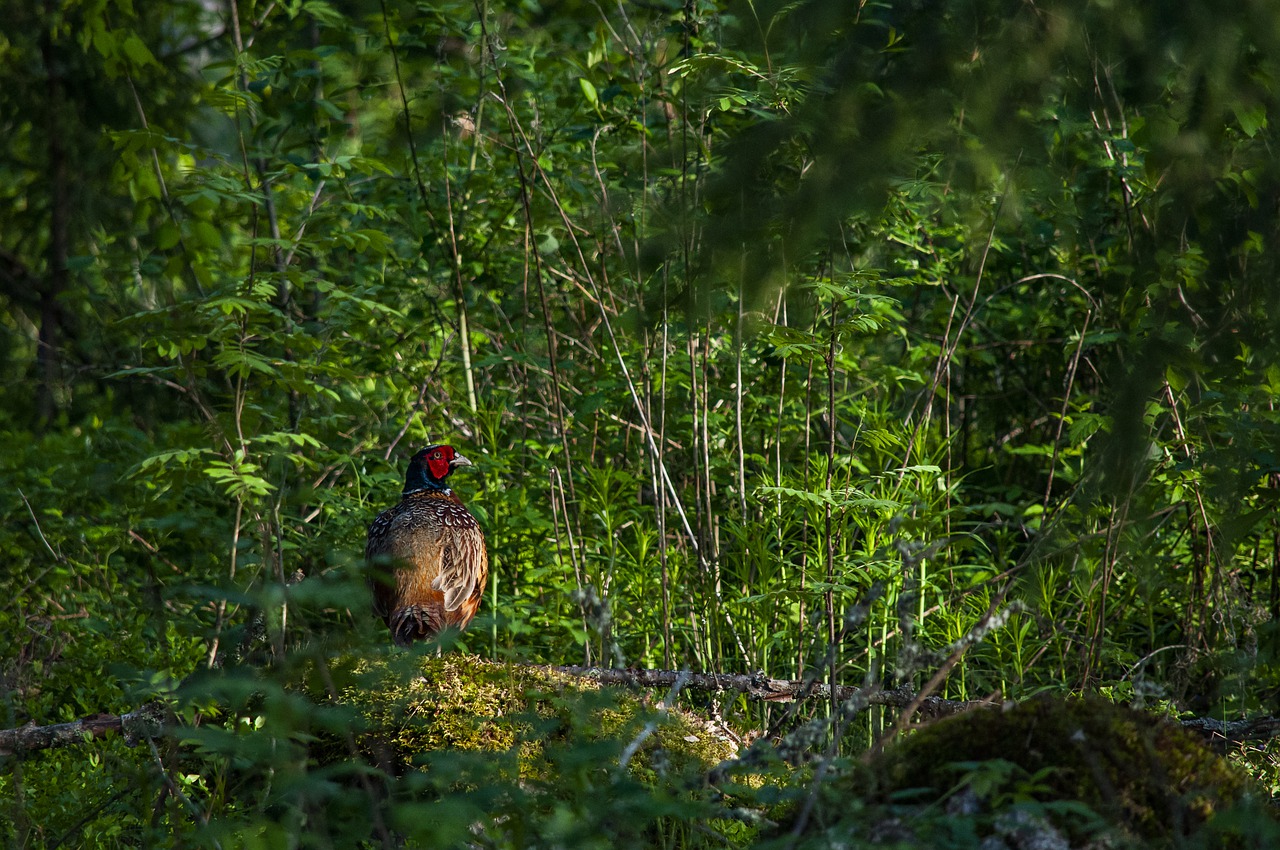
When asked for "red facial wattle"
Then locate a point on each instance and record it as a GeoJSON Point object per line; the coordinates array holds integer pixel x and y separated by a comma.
{"type": "Point", "coordinates": [438, 463]}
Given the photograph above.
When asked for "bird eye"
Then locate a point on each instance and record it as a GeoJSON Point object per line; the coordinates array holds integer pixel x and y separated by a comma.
{"type": "Point", "coordinates": [435, 454]}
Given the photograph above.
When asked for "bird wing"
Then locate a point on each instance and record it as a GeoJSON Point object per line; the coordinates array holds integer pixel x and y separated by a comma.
{"type": "Point", "coordinates": [464, 565]}
{"type": "Point", "coordinates": [378, 563]}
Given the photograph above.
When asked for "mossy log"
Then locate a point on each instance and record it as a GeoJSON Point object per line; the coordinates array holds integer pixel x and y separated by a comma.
{"type": "Point", "coordinates": [408, 705]}
{"type": "Point", "coordinates": [1064, 772]}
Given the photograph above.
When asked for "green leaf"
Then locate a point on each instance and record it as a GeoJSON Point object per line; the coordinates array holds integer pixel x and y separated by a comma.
{"type": "Point", "coordinates": [589, 92]}
{"type": "Point", "coordinates": [206, 235]}
{"type": "Point", "coordinates": [1252, 118]}
{"type": "Point", "coordinates": [138, 52]}
{"type": "Point", "coordinates": [167, 235]}
{"type": "Point", "coordinates": [240, 363]}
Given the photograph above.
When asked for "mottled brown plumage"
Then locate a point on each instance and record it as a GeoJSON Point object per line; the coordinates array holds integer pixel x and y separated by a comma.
{"type": "Point", "coordinates": [427, 559]}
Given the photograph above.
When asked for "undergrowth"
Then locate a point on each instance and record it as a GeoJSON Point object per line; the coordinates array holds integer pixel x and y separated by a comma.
{"type": "Point", "coordinates": [888, 347]}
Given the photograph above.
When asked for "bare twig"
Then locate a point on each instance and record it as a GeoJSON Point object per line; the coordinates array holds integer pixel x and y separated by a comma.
{"type": "Point", "coordinates": [39, 531]}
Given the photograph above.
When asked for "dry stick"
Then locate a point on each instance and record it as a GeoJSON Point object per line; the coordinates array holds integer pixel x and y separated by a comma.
{"type": "Point", "coordinates": [212, 660]}
{"type": "Point", "coordinates": [737, 395]}
{"type": "Point", "coordinates": [56, 557]}
{"type": "Point", "coordinates": [779, 319]}
{"type": "Point", "coordinates": [460, 293]}
{"type": "Point", "coordinates": [548, 327]}
{"type": "Point", "coordinates": [154, 550]}
{"type": "Point", "coordinates": [408, 423]}
{"type": "Point", "coordinates": [188, 268]}
{"type": "Point", "coordinates": [617, 239]}
{"type": "Point", "coordinates": [804, 528]}
{"type": "Point", "coordinates": [306, 219]}
{"type": "Point", "coordinates": [272, 532]}
{"type": "Point", "coordinates": [695, 415]}
{"type": "Point", "coordinates": [829, 594]}
{"type": "Point", "coordinates": [713, 519]}
{"type": "Point", "coordinates": [943, 366]}
{"type": "Point", "coordinates": [704, 480]}
{"type": "Point", "coordinates": [1066, 401]}
{"type": "Point", "coordinates": [573, 552]}
{"type": "Point", "coordinates": [1126, 193]}
{"type": "Point", "coordinates": [229, 452]}
{"type": "Point", "coordinates": [177, 792]}
{"type": "Point", "coordinates": [1193, 629]}
{"type": "Point", "coordinates": [172, 788]}
{"type": "Point", "coordinates": [686, 231]}
{"type": "Point", "coordinates": [1115, 528]}
{"type": "Point", "coordinates": [659, 491]}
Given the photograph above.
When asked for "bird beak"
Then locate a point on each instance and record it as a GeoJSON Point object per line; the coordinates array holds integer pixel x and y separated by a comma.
{"type": "Point", "coordinates": [459, 460]}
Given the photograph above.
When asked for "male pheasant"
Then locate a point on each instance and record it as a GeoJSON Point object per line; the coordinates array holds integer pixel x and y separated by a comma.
{"type": "Point", "coordinates": [426, 556]}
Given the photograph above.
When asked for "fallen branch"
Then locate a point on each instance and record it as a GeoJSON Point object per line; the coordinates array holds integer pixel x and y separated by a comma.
{"type": "Point", "coordinates": [758, 686]}
{"type": "Point", "coordinates": [152, 720]}
{"type": "Point", "coordinates": [148, 721]}
{"type": "Point", "coordinates": [1219, 732]}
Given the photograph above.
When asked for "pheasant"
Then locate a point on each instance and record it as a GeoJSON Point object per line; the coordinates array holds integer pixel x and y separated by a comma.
{"type": "Point", "coordinates": [427, 558]}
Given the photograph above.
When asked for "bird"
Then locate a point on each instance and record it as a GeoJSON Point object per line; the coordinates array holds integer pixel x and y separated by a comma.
{"type": "Point", "coordinates": [426, 556]}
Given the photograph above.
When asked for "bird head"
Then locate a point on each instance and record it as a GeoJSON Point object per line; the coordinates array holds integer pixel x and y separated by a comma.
{"type": "Point", "coordinates": [430, 467]}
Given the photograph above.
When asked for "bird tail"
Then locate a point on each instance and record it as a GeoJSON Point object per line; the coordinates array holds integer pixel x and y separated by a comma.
{"type": "Point", "coordinates": [414, 622]}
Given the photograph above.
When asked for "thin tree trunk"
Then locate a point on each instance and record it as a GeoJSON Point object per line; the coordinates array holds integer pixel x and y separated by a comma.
{"type": "Point", "coordinates": [829, 594]}
{"type": "Point", "coordinates": [55, 279]}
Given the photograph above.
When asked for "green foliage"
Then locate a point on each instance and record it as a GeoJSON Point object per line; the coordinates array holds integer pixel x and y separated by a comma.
{"type": "Point", "coordinates": [1047, 773]}
{"type": "Point", "coordinates": [853, 342]}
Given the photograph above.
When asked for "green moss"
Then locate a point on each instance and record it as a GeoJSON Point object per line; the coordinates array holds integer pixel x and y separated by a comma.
{"type": "Point", "coordinates": [409, 706]}
{"type": "Point", "coordinates": [1141, 774]}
